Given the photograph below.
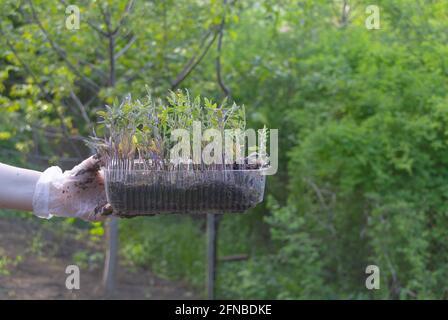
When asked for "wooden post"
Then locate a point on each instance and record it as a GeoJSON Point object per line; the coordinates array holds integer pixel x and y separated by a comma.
{"type": "Point", "coordinates": [111, 258]}
{"type": "Point", "coordinates": [212, 253]}
{"type": "Point", "coordinates": [110, 263]}
{"type": "Point", "coordinates": [211, 256]}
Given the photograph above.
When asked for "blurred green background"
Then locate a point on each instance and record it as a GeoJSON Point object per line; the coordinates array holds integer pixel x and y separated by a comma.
{"type": "Point", "coordinates": [362, 117]}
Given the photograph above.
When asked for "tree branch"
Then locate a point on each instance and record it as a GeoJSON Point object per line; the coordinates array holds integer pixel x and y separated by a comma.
{"type": "Point", "coordinates": [194, 61]}
{"type": "Point", "coordinates": [90, 23]}
{"type": "Point", "coordinates": [82, 108]}
{"type": "Point", "coordinates": [111, 45]}
{"type": "Point", "coordinates": [127, 11]}
{"type": "Point", "coordinates": [47, 95]}
{"type": "Point", "coordinates": [61, 52]}
{"type": "Point", "coordinates": [39, 157]}
{"type": "Point", "coordinates": [221, 83]}
{"type": "Point", "coordinates": [345, 12]}
{"type": "Point", "coordinates": [325, 207]}
{"type": "Point", "coordinates": [56, 134]}
{"type": "Point", "coordinates": [96, 28]}
{"type": "Point", "coordinates": [26, 67]}
{"type": "Point", "coordinates": [106, 17]}
{"type": "Point", "coordinates": [126, 47]}
{"type": "Point", "coordinates": [112, 60]}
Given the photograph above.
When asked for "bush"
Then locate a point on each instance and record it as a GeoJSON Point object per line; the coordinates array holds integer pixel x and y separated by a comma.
{"type": "Point", "coordinates": [171, 246]}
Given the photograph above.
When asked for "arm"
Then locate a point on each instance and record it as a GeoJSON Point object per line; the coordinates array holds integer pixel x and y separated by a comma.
{"type": "Point", "coordinates": [17, 187]}
{"type": "Point", "coordinates": [78, 193]}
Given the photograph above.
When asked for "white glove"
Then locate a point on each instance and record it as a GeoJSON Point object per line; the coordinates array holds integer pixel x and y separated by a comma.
{"type": "Point", "coordinates": [78, 193]}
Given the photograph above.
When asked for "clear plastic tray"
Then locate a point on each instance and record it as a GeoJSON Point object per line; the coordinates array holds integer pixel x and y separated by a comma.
{"type": "Point", "coordinates": [149, 192]}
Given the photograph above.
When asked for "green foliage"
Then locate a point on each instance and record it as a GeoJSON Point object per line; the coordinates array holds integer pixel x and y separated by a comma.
{"type": "Point", "coordinates": [367, 173]}
{"type": "Point", "coordinates": [256, 278]}
{"type": "Point", "coordinates": [7, 263]}
{"type": "Point", "coordinates": [362, 116]}
{"type": "Point", "coordinates": [37, 245]}
{"type": "Point", "coordinates": [88, 260]}
{"type": "Point", "coordinates": [172, 247]}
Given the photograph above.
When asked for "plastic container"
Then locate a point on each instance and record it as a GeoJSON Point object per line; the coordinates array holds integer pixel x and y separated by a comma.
{"type": "Point", "coordinates": [150, 192]}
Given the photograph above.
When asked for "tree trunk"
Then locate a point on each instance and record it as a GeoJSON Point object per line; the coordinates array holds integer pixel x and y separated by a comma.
{"type": "Point", "coordinates": [110, 263]}
{"type": "Point", "coordinates": [111, 258]}
{"type": "Point", "coordinates": [212, 249]}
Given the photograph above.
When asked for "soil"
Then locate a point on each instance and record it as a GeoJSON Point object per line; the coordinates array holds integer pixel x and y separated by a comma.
{"type": "Point", "coordinates": [215, 197]}
{"type": "Point", "coordinates": [41, 275]}
{"type": "Point", "coordinates": [185, 191]}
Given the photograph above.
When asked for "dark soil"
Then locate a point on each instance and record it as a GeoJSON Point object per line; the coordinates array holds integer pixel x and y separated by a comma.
{"type": "Point", "coordinates": [215, 197]}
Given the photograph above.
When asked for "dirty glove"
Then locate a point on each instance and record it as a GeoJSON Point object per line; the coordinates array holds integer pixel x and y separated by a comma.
{"type": "Point", "coordinates": [78, 193]}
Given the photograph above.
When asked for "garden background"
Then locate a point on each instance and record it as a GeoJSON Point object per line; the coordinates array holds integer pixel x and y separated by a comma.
{"type": "Point", "coordinates": [362, 117]}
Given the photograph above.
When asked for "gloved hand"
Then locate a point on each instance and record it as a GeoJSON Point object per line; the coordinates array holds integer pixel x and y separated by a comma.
{"type": "Point", "coordinates": [79, 192]}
